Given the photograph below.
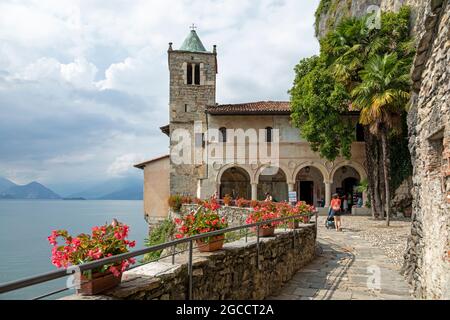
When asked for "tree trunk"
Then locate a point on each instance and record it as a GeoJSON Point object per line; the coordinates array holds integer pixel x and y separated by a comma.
{"type": "Point", "coordinates": [386, 167]}
{"type": "Point", "coordinates": [373, 161]}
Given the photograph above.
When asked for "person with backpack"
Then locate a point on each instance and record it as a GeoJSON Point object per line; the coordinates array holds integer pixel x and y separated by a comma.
{"type": "Point", "coordinates": [335, 205]}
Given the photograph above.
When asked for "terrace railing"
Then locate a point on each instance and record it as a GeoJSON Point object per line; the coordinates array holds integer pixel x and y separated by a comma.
{"type": "Point", "coordinates": [49, 276]}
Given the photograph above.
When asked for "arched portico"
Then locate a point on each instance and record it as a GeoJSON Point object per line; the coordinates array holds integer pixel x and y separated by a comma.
{"type": "Point", "coordinates": [273, 181]}
{"type": "Point", "coordinates": [234, 180]}
{"type": "Point", "coordinates": [319, 176]}
{"type": "Point", "coordinates": [345, 176]}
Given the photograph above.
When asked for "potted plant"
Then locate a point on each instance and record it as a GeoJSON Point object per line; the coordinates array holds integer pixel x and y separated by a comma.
{"type": "Point", "coordinates": [104, 241]}
{"type": "Point", "coordinates": [227, 200]}
{"type": "Point", "coordinates": [263, 213]}
{"type": "Point", "coordinates": [286, 210]}
{"type": "Point", "coordinates": [305, 210]}
{"type": "Point", "coordinates": [204, 219]}
{"type": "Point", "coordinates": [241, 202]}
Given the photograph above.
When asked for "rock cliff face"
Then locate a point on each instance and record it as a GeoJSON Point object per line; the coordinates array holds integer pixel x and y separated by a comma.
{"type": "Point", "coordinates": [331, 12]}
{"type": "Point", "coordinates": [427, 260]}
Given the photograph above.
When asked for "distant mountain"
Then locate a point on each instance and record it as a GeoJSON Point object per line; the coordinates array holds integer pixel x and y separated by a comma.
{"type": "Point", "coordinates": [6, 184]}
{"type": "Point", "coordinates": [33, 190]}
{"type": "Point", "coordinates": [129, 188]}
{"type": "Point", "coordinates": [130, 193]}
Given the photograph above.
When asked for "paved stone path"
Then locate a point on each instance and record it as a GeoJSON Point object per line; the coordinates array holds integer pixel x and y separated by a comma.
{"type": "Point", "coordinates": [347, 267]}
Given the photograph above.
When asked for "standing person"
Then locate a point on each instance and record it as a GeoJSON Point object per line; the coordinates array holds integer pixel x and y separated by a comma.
{"type": "Point", "coordinates": [268, 197]}
{"type": "Point", "coordinates": [335, 206]}
{"type": "Point", "coordinates": [345, 203]}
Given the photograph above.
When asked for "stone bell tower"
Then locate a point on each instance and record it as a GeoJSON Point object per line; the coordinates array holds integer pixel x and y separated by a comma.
{"type": "Point", "coordinates": [192, 88]}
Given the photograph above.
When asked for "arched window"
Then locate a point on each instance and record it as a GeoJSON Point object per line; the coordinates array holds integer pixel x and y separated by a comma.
{"type": "Point", "coordinates": [269, 134]}
{"type": "Point", "coordinates": [189, 73]}
{"type": "Point", "coordinates": [223, 134]}
{"type": "Point", "coordinates": [197, 74]}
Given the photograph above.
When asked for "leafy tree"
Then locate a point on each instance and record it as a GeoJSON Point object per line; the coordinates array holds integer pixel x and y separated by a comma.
{"type": "Point", "coordinates": [317, 103]}
{"type": "Point", "coordinates": [381, 97]}
{"type": "Point", "coordinates": [323, 89]}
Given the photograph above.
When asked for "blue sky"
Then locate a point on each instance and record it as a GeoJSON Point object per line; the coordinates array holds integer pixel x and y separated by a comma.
{"type": "Point", "coordinates": [84, 84]}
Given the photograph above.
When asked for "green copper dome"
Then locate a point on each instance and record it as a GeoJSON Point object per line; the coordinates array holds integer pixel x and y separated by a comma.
{"type": "Point", "coordinates": [193, 43]}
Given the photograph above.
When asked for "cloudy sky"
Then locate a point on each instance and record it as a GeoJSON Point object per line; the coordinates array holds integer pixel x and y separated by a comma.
{"type": "Point", "coordinates": [84, 83]}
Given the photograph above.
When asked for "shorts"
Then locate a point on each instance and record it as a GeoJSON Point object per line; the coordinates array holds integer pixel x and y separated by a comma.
{"type": "Point", "coordinates": [336, 213]}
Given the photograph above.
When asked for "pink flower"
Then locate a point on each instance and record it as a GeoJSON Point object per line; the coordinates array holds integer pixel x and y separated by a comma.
{"type": "Point", "coordinates": [115, 271]}
{"type": "Point", "coordinates": [132, 244]}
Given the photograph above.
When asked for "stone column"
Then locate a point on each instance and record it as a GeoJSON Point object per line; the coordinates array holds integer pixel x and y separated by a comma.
{"type": "Point", "coordinates": [291, 186]}
{"type": "Point", "coordinates": [193, 73]}
{"type": "Point", "coordinates": [254, 191]}
{"type": "Point", "coordinates": [327, 193]}
{"type": "Point", "coordinates": [218, 189]}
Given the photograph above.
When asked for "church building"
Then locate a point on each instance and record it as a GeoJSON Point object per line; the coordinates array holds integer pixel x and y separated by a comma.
{"type": "Point", "coordinates": [194, 111]}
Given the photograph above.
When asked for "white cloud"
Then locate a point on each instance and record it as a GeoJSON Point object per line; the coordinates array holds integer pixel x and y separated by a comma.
{"type": "Point", "coordinates": [80, 73]}
{"type": "Point", "coordinates": [124, 163]}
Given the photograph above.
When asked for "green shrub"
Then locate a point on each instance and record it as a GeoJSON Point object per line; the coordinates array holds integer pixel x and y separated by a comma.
{"type": "Point", "coordinates": [161, 233]}
{"type": "Point", "coordinates": [175, 201]}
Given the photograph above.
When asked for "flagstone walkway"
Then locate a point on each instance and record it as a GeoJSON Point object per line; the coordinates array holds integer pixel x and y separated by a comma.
{"type": "Point", "coordinates": [347, 267]}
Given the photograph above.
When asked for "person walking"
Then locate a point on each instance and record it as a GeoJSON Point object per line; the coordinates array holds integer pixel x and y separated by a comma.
{"type": "Point", "coordinates": [335, 205]}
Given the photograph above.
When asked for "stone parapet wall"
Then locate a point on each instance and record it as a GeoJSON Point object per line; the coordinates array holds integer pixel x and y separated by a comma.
{"type": "Point", "coordinates": [231, 273]}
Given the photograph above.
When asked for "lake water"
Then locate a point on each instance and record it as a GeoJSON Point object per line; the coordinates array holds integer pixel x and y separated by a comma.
{"type": "Point", "coordinates": [26, 224]}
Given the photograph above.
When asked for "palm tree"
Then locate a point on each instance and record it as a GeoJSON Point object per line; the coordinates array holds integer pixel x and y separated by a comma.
{"type": "Point", "coordinates": [381, 97]}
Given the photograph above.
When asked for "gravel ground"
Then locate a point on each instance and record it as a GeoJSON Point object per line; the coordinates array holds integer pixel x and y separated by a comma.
{"type": "Point", "coordinates": [391, 239]}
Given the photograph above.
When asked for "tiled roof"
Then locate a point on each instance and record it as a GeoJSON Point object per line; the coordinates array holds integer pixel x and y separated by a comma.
{"type": "Point", "coordinates": [143, 164]}
{"type": "Point", "coordinates": [260, 107]}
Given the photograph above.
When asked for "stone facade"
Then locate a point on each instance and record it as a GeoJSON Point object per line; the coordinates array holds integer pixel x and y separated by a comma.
{"type": "Point", "coordinates": [187, 104]}
{"type": "Point", "coordinates": [229, 274]}
{"type": "Point", "coordinates": [427, 261]}
{"type": "Point", "coordinates": [206, 171]}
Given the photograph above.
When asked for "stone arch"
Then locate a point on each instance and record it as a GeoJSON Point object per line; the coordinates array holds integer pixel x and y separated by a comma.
{"type": "Point", "coordinates": [314, 164]}
{"type": "Point", "coordinates": [345, 182]}
{"type": "Point", "coordinates": [274, 182]}
{"type": "Point", "coordinates": [261, 169]}
{"type": "Point", "coordinates": [235, 181]}
{"type": "Point", "coordinates": [355, 165]}
{"type": "Point", "coordinates": [231, 165]}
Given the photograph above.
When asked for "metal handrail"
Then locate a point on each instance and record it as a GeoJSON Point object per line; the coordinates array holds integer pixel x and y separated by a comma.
{"type": "Point", "coordinates": [52, 275]}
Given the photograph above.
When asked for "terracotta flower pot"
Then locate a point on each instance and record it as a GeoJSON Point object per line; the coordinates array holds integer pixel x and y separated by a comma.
{"type": "Point", "coordinates": [214, 244]}
{"type": "Point", "coordinates": [99, 282]}
{"type": "Point", "coordinates": [293, 225]}
{"type": "Point", "coordinates": [266, 232]}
